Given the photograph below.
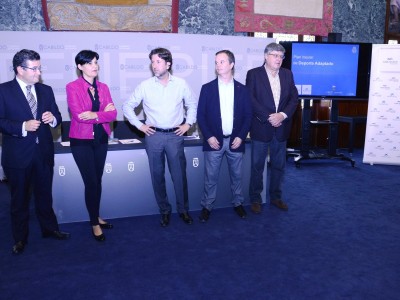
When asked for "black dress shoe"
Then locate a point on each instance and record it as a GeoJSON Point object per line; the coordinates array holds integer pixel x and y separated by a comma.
{"type": "Point", "coordinates": [165, 220]}
{"type": "Point", "coordinates": [99, 238]}
{"type": "Point", "coordinates": [204, 215]}
{"type": "Point", "coordinates": [186, 218]}
{"type": "Point", "coordinates": [19, 247]}
{"type": "Point", "coordinates": [58, 235]}
{"type": "Point", "coordinates": [240, 211]}
{"type": "Point", "coordinates": [106, 226]}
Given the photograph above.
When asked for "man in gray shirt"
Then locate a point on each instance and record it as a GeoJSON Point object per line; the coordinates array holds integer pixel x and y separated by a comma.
{"type": "Point", "coordinates": [165, 99]}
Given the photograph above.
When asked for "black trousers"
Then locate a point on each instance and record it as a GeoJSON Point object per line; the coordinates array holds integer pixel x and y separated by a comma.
{"type": "Point", "coordinates": [90, 160]}
{"type": "Point", "coordinates": [38, 176]}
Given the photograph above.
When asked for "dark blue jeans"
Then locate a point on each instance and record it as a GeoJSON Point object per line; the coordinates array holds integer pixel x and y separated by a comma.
{"type": "Point", "coordinates": [277, 159]}
{"type": "Point", "coordinates": [213, 160]}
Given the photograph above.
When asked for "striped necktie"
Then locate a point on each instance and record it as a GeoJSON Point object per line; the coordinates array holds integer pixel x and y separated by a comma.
{"type": "Point", "coordinates": [31, 100]}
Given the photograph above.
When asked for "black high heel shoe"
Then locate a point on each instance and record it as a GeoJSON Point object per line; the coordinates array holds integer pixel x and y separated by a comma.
{"type": "Point", "coordinates": [99, 238]}
{"type": "Point", "coordinates": [106, 226]}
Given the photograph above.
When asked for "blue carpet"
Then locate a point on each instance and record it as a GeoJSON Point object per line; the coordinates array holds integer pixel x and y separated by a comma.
{"type": "Point", "coordinates": [340, 239]}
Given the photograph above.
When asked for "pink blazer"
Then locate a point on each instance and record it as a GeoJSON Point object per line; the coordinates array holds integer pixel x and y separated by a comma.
{"type": "Point", "coordinates": [79, 101]}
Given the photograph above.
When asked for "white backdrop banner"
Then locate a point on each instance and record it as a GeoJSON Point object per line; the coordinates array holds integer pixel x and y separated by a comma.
{"type": "Point", "coordinates": [382, 137]}
{"type": "Point", "coordinates": [124, 60]}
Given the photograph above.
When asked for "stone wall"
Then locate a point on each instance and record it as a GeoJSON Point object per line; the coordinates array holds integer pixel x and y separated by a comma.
{"type": "Point", "coordinates": [358, 21]}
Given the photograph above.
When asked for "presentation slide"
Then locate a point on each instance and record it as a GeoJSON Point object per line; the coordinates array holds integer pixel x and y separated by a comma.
{"type": "Point", "coordinates": [325, 69]}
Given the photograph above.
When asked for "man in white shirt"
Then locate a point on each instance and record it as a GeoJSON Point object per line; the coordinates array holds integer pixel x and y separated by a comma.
{"type": "Point", "coordinates": [165, 99]}
{"type": "Point", "coordinates": [224, 118]}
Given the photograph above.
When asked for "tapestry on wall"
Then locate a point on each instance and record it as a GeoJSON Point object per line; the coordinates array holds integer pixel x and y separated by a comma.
{"type": "Point", "coordinates": [111, 15]}
{"type": "Point", "coordinates": [305, 17]}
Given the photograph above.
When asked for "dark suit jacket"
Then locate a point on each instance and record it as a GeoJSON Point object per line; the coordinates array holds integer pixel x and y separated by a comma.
{"type": "Point", "coordinates": [263, 104]}
{"type": "Point", "coordinates": [17, 151]}
{"type": "Point", "coordinates": [209, 114]}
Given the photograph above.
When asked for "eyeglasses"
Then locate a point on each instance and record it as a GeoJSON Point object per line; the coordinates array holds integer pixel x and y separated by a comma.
{"type": "Point", "coordinates": [281, 56]}
{"type": "Point", "coordinates": [34, 69]}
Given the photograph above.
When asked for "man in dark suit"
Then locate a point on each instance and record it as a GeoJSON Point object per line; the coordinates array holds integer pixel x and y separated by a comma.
{"type": "Point", "coordinates": [274, 99]}
{"type": "Point", "coordinates": [224, 117]}
{"type": "Point", "coordinates": [27, 110]}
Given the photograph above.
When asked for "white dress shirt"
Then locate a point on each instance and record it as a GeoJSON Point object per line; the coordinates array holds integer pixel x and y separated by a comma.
{"type": "Point", "coordinates": [226, 97]}
{"type": "Point", "coordinates": [163, 105]}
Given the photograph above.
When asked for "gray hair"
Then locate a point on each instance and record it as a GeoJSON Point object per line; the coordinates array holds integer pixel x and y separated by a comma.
{"type": "Point", "coordinates": [274, 47]}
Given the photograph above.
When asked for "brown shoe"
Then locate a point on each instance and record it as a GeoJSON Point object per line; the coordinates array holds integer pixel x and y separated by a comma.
{"type": "Point", "coordinates": [280, 204]}
{"type": "Point", "coordinates": [256, 207]}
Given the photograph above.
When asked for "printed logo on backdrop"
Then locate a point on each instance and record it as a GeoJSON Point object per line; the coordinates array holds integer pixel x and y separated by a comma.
{"type": "Point", "coordinates": [383, 102]}
{"type": "Point", "coordinates": [114, 88]}
{"type": "Point", "coordinates": [106, 47]}
{"type": "Point", "coordinates": [131, 67]}
{"type": "Point", "coordinates": [391, 110]}
{"type": "Point", "coordinates": [61, 170]}
{"type": "Point", "coordinates": [9, 48]}
{"type": "Point", "coordinates": [185, 67]}
{"type": "Point", "coordinates": [396, 133]}
{"type": "Point", "coordinates": [131, 166]}
{"type": "Point", "coordinates": [69, 68]}
{"type": "Point", "coordinates": [371, 154]}
{"type": "Point", "coordinates": [59, 90]}
{"type": "Point", "coordinates": [255, 51]}
{"type": "Point", "coordinates": [375, 109]}
{"type": "Point", "coordinates": [195, 162]}
{"type": "Point", "coordinates": [395, 149]}
{"type": "Point", "coordinates": [388, 141]}
{"type": "Point", "coordinates": [46, 47]}
{"type": "Point", "coordinates": [376, 79]}
{"type": "Point", "coordinates": [210, 49]}
{"type": "Point", "coordinates": [239, 68]}
{"type": "Point", "coordinates": [391, 61]}
{"type": "Point", "coordinates": [376, 94]}
{"type": "Point", "coordinates": [108, 168]}
{"type": "Point", "coordinates": [111, 47]}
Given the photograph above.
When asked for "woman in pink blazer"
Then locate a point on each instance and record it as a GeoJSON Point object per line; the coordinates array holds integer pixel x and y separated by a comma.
{"type": "Point", "coordinates": [92, 110]}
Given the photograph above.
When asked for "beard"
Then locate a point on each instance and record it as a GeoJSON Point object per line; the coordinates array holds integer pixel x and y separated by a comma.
{"type": "Point", "coordinates": [160, 75]}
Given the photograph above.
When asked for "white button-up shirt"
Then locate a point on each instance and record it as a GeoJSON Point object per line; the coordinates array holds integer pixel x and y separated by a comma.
{"type": "Point", "coordinates": [226, 97]}
{"type": "Point", "coordinates": [165, 106]}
